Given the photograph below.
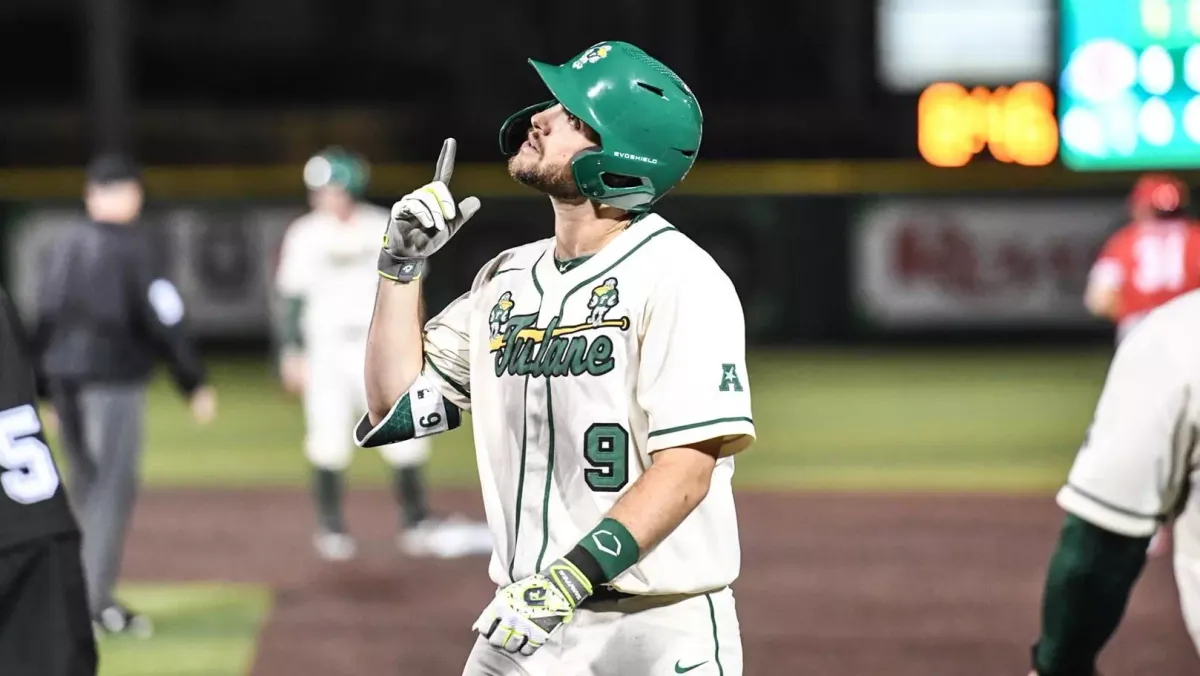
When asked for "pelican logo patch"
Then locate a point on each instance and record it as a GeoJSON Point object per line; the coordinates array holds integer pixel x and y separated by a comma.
{"type": "Point", "coordinates": [591, 56]}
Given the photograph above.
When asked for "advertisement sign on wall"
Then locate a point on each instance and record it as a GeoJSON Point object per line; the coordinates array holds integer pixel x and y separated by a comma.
{"type": "Point", "coordinates": [927, 263]}
{"type": "Point", "coordinates": [220, 258]}
{"type": "Point", "coordinates": [904, 263]}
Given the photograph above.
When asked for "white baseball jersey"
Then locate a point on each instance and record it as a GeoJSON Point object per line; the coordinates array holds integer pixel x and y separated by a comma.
{"type": "Point", "coordinates": [332, 265]}
{"type": "Point", "coordinates": [574, 379]}
{"type": "Point", "coordinates": [1139, 457]}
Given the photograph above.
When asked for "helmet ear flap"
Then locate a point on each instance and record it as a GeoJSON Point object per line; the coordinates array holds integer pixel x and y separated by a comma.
{"type": "Point", "coordinates": [516, 127]}
{"type": "Point", "coordinates": [615, 188]}
{"type": "Point", "coordinates": [586, 166]}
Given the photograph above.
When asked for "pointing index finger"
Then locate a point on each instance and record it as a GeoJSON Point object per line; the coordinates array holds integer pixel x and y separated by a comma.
{"type": "Point", "coordinates": [445, 163]}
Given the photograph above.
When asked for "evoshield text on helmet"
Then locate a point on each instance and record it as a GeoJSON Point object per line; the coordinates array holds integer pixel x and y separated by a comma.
{"type": "Point", "coordinates": [648, 121]}
{"type": "Point", "coordinates": [337, 167]}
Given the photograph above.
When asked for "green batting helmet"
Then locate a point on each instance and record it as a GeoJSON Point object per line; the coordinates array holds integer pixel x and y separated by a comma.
{"type": "Point", "coordinates": [648, 120]}
{"type": "Point", "coordinates": [338, 167]}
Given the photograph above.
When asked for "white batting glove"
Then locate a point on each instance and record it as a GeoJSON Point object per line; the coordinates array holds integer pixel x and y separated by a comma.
{"type": "Point", "coordinates": [423, 221]}
{"type": "Point", "coordinates": [432, 206]}
{"type": "Point", "coordinates": [526, 613]}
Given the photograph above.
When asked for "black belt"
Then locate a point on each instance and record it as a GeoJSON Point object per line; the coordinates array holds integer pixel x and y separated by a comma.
{"type": "Point", "coordinates": [605, 594]}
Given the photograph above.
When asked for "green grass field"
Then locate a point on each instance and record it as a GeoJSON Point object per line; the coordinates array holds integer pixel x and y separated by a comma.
{"type": "Point", "coordinates": [826, 420]}
{"type": "Point", "coordinates": [200, 630]}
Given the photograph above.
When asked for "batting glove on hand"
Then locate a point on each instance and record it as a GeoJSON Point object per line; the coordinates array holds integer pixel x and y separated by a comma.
{"type": "Point", "coordinates": [423, 221]}
{"type": "Point", "coordinates": [523, 615]}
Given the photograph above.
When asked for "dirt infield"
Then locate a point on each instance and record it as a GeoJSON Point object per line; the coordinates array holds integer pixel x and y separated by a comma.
{"type": "Point", "coordinates": [831, 584]}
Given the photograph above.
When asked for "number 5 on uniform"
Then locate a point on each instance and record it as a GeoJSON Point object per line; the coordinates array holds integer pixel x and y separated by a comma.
{"type": "Point", "coordinates": [29, 474]}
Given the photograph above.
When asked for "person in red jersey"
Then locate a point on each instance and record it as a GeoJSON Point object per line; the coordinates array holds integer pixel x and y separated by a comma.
{"type": "Point", "coordinates": [1151, 260]}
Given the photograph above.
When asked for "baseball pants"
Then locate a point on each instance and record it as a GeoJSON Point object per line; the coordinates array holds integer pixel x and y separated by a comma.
{"type": "Point", "coordinates": [335, 397]}
{"type": "Point", "coordinates": [45, 626]}
{"type": "Point", "coordinates": [696, 635]}
{"type": "Point", "coordinates": [102, 437]}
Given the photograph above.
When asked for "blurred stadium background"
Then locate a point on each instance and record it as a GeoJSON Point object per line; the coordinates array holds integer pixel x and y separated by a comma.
{"type": "Point", "coordinates": [908, 195]}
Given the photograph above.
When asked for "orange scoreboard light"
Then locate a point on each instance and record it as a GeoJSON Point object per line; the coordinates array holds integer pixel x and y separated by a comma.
{"type": "Point", "coordinates": [1015, 124]}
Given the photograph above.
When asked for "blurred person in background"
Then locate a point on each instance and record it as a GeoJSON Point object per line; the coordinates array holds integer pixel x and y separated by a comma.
{"type": "Point", "coordinates": [326, 279]}
{"type": "Point", "coordinates": [105, 313]}
{"type": "Point", "coordinates": [1133, 472]}
{"type": "Point", "coordinates": [45, 627]}
{"type": "Point", "coordinates": [1149, 261]}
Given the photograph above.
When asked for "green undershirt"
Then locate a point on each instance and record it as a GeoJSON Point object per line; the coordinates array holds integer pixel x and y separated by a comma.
{"type": "Point", "coordinates": [1087, 588]}
{"type": "Point", "coordinates": [568, 265]}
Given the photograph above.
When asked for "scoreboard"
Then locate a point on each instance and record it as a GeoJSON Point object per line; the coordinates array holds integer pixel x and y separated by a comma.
{"type": "Point", "coordinates": [1129, 89]}
{"type": "Point", "coordinates": [1013, 124]}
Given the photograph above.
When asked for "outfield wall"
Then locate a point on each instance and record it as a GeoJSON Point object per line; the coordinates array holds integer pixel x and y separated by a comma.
{"type": "Point", "coordinates": [820, 252]}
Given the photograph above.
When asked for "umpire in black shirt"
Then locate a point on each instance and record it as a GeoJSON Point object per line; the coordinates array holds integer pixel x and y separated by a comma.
{"type": "Point", "coordinates": [105, 314]}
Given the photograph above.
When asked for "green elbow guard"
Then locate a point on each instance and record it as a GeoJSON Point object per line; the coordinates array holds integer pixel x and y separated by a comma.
{"type": "Point", "coordinates": [421, 412]}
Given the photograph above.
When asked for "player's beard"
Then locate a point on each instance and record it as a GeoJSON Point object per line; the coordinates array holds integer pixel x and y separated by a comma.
{"type": "Point", "coordinates": [557, 182]}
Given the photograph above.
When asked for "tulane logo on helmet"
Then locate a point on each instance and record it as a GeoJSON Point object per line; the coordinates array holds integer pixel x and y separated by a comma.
{"type": "Point", "coordinates": [592, 56]}
{"type": "Point", "coordinates": [648, 121]}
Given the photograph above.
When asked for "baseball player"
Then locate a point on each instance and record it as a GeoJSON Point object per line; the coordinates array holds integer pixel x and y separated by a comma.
{"type": "Point", "coordinates": [326, 278]}
{"type": "Point", "coordinates": [1153, 259]}
{"type": "Point", "coordinates": [45, 627]}
{"type": "Point", "coordinates": [1134, 472]}
{"type": "Point", "coordinates": [608, 409]}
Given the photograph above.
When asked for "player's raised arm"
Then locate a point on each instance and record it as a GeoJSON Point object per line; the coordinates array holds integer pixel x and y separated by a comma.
{"type": "Point", "coordinates": [420, 224]}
